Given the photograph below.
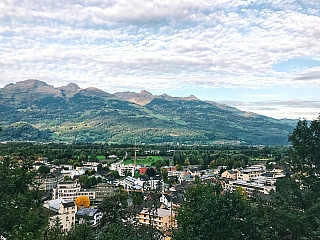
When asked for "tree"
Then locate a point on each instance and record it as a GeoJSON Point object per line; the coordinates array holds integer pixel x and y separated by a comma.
{"type": "Point", "coordinates": [164, 174]}
{"type": "Point", "coordinates": [99, 180]}
{"type": "Point", "coordinates": [179, 167]}
{"type": "Point", "coordinates": [82, 179]}
{"type": "Point", "coordinates": [82, 201]}
{"type": "Point", "coordinates": [151, 172]}
{"type": "Point", "coordinates": [82, 232]}
{"type": "Point", "coordinates": [53, 232]}
{"type": "Point", "coordinates": [93, 181]}
{"type": "Point", "coordinates": [305, 154]}
{"type": "Point", "coordinates": [137, 199]}
{"type": "Point", "coordinates": [209, 213]}
{"type": "Point", "coordinates": [43, 169]}
{"type": "Point", "coordinates": [88, 183]}
{"type": "Point", "coordinates": [115, 174]}
{"type": "Point", "coordinates": [21, 213]}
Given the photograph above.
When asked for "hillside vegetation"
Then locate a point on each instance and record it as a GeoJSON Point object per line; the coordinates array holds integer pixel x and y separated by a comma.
{"type": "Point", "coordinates": [32, 110]}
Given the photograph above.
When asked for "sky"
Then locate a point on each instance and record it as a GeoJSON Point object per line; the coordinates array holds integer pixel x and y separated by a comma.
{"type": "Point", "coordinates": [261, 56]}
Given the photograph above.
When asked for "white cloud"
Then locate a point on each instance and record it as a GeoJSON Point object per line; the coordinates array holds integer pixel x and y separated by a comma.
{"type": "Point", "coordinates": [159, 44]}
{"type": "Point", "coordinates": [294, 109]}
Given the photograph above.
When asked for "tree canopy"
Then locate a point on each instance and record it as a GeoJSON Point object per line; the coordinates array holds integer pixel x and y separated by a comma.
{"type": "Point", "coordinates": [305, 153]}
{"type": "Point", "coordinates": [21, 215]}
{"type": "Point", "coordinates": [82, 201]}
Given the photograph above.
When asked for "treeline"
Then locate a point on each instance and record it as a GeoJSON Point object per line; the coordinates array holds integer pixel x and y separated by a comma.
{"type": "Point", "coordinates": [64, 150]}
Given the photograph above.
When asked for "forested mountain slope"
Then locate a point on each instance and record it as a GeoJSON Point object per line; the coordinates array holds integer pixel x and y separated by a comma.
{"type": "Point", "coordinates": [33, 110]}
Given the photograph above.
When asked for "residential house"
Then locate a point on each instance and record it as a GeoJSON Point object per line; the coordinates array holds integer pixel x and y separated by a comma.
{"type": "Point", "coordinates": [169, 168]}
{"type": "Point", "coordinates": [37, 165]}
{"type": "Point", "coordinates": [175, 173]}
{"type": "Point", "coordinates": [50, 181]}
{"type": "Point", "coordinates": [250, 172]}
{"type": "Point", "coordinates": [172, 201]}
{"type": "Point", "coordinates": [143, 170]}
{"type": "Point", "coordinates": [230, 174]}
{"type": "Point", "coordinates": [92, 215]}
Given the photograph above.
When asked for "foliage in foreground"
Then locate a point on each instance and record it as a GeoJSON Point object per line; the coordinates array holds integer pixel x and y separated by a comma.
{"type": "Point", "coordinates": [20, 212]}
{"type": "Point", "coordinates": [292, 213]}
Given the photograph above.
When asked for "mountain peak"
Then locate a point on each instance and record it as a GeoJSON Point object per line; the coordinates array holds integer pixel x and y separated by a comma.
{"type": "Point", "coordinates": [94, 89]}
{"type": "Point", "coordinates": [72, 86]}
{"type": "Point", "coordinates": [142, 98]}
{"type": "Point", "coordinates": [192, 97]}
{"type": "Point", "coordinates": [29, 83]}
{"type": "Point", "coordinates": [69, 90]}
{"type": "Point", "coordinates": [145, 92]}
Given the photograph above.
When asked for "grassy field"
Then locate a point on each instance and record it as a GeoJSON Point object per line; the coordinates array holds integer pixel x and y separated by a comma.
{"type": "Point", "coordinates": [144, 160]}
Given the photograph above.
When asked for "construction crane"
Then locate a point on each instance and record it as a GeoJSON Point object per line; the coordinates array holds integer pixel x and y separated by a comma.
{"type": "Point", "coordinates": [135, 157]}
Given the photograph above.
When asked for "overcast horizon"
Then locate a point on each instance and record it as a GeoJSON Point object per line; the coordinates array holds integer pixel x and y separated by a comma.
{"type": "Point", "coordinates": [261, 56]}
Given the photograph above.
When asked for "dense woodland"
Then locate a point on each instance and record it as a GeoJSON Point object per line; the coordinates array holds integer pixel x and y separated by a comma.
{"type": "Point", "coordinates": [208, 212]}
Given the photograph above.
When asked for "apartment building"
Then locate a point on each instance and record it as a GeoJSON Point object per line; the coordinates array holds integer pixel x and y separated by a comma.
{"type": "Point", "coordinates": [70, 190]}
{"type": "Point", "coordinates": [162, 219]}
{"type": "Point", "coordinates": [123, 169]}
{"type": "Point", "coordinates": [62, 210]}
{"type": "Point", "coordinates": [251, 172]}
{"type": "Point", "coordinates": [251, 187]}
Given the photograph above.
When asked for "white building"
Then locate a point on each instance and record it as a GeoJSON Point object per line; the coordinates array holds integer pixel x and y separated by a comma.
{"type": "Point", "coordinates": [175, 173]}
{"type": "Point", "coordinates": [70, 190]}
{"type": "Point", "coordinates": [50, 181]}
{"type": "Point", "coordinates": [250, 187]}
{"type": "Point", "coordinates": [123, 169]}
{"type": "Point", "coordinates": [73, 173]}
{"type": "Point", "coordinates": [131, 183]}
{"type": "Point", "coordinates": [93, 215]}
{"type": "Point", "coordinates": [251, 172]}
{"type": "Point", "coordinates": [62, 210]}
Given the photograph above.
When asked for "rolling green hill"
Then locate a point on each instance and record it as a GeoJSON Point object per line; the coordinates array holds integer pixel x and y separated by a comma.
{"type": "Point", "coordinates": [32, 110]}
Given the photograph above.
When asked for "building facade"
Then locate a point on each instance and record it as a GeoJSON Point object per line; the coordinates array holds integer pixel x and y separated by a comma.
{"type": "Point", "coordinates": [70, 190]}
{"type": "Point", "coordinates": [62, 211]}
{"type": "Point", "coordinates": [162, 219]}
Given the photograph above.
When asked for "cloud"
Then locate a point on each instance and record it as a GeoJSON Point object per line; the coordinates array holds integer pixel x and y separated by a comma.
{"type": "Point", "coordinates": [294, 109]}
{"type": "Point", "coordinates": [157, 45]}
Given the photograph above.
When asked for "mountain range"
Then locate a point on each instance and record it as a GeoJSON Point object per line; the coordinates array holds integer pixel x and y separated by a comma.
{"type": "Point", "coordinates": [32, 110]}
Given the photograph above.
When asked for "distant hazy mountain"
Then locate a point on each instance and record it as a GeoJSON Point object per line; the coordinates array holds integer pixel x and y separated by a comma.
{"type": "Point", "coordinates": [33, 110]}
